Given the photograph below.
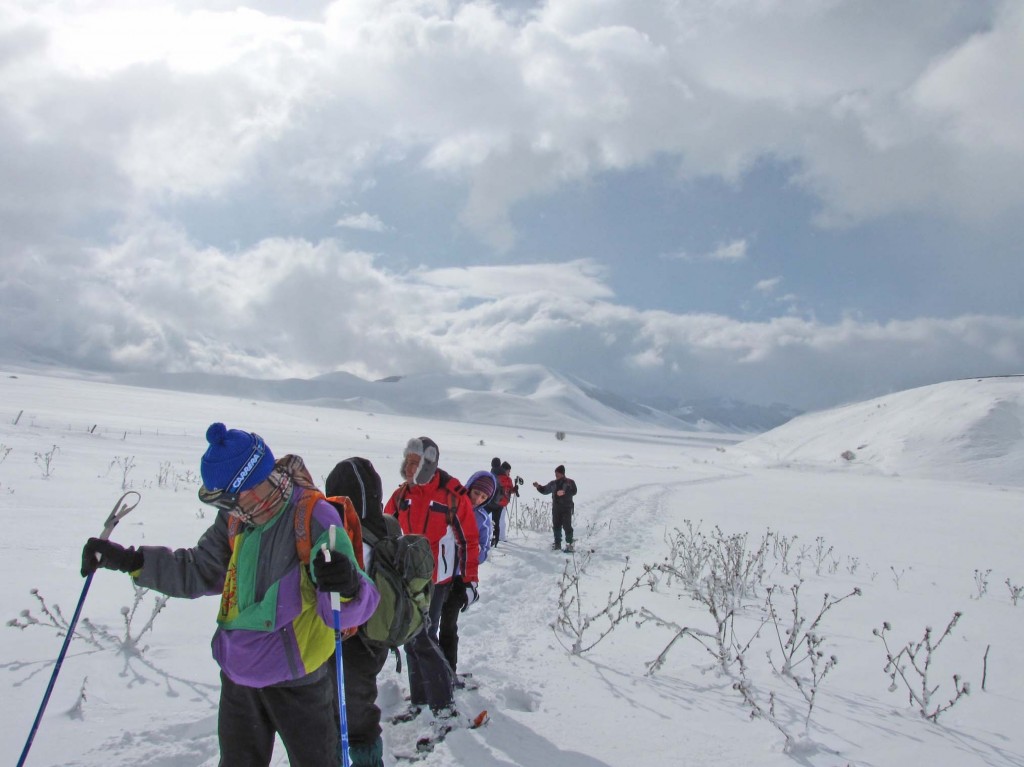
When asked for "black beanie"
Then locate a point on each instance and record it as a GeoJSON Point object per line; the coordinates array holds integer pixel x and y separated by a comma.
{"type": "Point", "coordinates": [560, 469]}
{"type": "Point", "coordinates": [495, 463]}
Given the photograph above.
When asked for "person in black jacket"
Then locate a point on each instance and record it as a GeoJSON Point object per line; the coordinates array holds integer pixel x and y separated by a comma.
{"type": "Point", "coordinates": [363, 660]}
{"type": "Point", "coordinates": [561, 489]}
{"type": "Point", "coordinates": [495, 507]}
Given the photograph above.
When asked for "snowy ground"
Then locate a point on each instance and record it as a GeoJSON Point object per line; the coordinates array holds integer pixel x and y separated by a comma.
{"type": "Point", "coordinates": [917, 548]}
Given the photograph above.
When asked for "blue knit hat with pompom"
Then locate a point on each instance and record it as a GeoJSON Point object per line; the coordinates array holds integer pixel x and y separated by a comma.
{"type": "Point", "coordinates": [235, 460]}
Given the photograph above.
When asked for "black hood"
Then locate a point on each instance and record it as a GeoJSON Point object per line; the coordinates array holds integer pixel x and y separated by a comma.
{"type": "Point", "coordinates": [359, 481]}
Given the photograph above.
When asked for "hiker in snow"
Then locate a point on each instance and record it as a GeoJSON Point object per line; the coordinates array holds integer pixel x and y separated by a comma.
{"type": "Point", "coordinates": [507, 488]}
{"type": "Point", "coordinates": [561, 489]}
{"type": "Point", "coordinates": [432, 503]}
{"type": "Point", "coordinates": [356, 479]}
{"type": "Point", "coordinates": [496, 506]}
{"type": "Point", "coordinates": [275, 629]}
{"type": "Point", "coordinates": [480, 488]}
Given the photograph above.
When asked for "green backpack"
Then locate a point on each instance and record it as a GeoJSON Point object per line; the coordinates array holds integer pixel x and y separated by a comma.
{"type": "Point", "coordinates": [402, 568]}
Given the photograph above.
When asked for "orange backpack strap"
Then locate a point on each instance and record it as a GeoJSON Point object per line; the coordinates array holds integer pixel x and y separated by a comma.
{"type": "Point", "coordinates": [303, 520]}
{"type": "Point", "coordinates": [350, 518]}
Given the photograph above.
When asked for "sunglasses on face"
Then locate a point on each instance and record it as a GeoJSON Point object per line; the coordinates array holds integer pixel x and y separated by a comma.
{"type": "Point", "coordinates": [243, 503]}
{"type": "Point", "coordinates": [221, 499]}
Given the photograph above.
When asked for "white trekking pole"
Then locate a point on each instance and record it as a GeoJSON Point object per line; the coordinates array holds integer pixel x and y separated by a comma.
{"type": "Point", "coordinates": [336, 609]}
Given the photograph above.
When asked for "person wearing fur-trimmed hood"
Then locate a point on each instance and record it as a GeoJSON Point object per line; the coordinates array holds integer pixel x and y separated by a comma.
{"type": "Point", "coordinates": [275, 628]}
{"type": "Point", "coordinates": [432, 503]}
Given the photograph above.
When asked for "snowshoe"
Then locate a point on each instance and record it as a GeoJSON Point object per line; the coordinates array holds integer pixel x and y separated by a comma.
{"type": "Point", "coordinates": [406, 716]}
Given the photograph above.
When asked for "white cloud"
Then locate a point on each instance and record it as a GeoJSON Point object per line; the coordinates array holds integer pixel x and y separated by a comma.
{"type": "Point", "coordinates": [731, 251]}
{"type": "Point", "coordinates": [768, 286]}
{"type": "Point", "coordinates": [975, 90]}
{"type": "Point", "coordinates": [366, 222]}
{"type": "Point", "coordinates": [879, 108]}
{"type": "Point", "coordinates": [582, 280]}
{"type": "Point", "coordinates": [887, 108]}
{"type": "Point", "coordinates": [290, 307]}
{"type": "Point", "coordinates": [728, 252]}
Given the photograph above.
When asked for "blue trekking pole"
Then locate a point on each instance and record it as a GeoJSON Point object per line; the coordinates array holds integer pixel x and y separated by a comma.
{"type": "Point", "coordinates": [121, 508]}
{"type": "Point", "coordinates": [336, 609]}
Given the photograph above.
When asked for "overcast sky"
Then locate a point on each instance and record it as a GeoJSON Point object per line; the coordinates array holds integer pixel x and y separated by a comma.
{"type": "Point", "coordinates": [798, 201]}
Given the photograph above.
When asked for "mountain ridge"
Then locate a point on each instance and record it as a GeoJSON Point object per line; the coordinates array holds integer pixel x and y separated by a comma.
{"type": "Point", "coordinates": [527, 395]}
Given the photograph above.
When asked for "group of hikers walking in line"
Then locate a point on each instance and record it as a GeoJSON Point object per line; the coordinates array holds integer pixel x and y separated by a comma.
{"type": "Point", "coordinates": [272, 556]}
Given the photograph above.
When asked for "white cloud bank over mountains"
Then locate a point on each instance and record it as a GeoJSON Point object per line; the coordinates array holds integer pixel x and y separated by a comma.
{"type": "Point", "coordinates": [522, 396]}
{"type": "Point", "coordinates": [291, 308]}
{"type": "Point", "coordinates": [114, 117]}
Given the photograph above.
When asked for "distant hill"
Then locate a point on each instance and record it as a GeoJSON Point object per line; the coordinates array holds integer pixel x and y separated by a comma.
{"type": "Point", "coordinates": [729, 414]}
{"type": "Point", "coordinates": [518, 395]}
{"type": "Point", "coordinates": [969, 430]}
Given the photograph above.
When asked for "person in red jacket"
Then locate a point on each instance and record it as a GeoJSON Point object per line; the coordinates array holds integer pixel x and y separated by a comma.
{"type": "Point", "coordinates": [508, 489]}
{"type": "Point", "coordinates": [432, 503]}
{"type": "Point", "coordinates": [502, 495]}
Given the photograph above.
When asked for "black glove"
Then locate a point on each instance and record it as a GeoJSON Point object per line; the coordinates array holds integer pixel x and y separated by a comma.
{"type": "Point", "coordinates": [337, 575]}
{"type": "Point", "coordinates": [101, 553]}
{"type": "Point", "coordinates": [472, 596]}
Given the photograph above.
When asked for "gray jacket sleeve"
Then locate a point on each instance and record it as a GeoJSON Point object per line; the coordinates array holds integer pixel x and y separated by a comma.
{"type": "Point", "coordinates": [190, 573]}
{"type": "Point", "coordinates": [546, 489]}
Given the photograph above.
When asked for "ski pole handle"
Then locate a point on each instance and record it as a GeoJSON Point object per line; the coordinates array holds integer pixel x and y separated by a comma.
{"type": "Point", "coordinates": [121, 508]}
{"type": "Point", "coordinates": [328, 549]}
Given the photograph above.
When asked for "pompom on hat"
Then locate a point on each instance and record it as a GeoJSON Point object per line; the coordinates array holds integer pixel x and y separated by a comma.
{"type": "Point", "coordinates": [235, 460]}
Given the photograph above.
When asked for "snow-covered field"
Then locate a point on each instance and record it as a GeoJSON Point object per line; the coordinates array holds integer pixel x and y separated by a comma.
{"type": "Point", "coordinates": [925, 520]}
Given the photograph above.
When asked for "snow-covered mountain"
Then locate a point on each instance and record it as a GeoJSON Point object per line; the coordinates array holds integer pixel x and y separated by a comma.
{"type": "Point", "coordinates": [141, 688]}
{"type": "Point", "coordinates": [518, 395]}
{"type": "Point", "coordinates": [969, 430]}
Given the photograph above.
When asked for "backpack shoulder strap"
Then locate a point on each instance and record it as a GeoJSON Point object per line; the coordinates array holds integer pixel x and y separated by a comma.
{"type": "Point", "coordinates": [350, 518]}
{"type": "Point", "coordinates": [302, 520]}
{"type": "Point", "coordinates": [403, 490]}
{"type": "Point", "coordinates": [455, 490]}
{"type": "Point", "coordinates": [453, 505]}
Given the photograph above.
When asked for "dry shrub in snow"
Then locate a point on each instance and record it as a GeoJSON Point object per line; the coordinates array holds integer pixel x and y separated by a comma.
{"type": "Point", "coordinates": [912, 664]}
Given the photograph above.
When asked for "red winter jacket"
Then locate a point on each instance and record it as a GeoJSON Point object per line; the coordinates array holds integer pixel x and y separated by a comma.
{"type": "Point", "coordinates": [427, 510]}
{"type": "Point", "coordinates": [507, 486]}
